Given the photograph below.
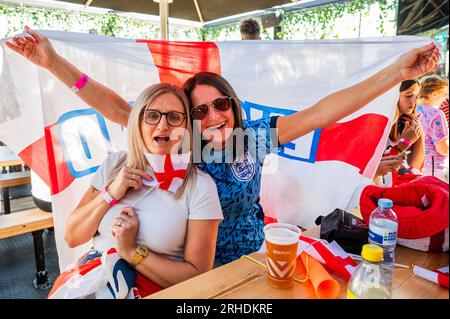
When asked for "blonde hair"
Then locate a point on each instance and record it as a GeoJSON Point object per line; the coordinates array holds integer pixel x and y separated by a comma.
{"type": "Point", "coordinates": [136, 145]}
{"type": "Point", "coordinates": [430, 84]}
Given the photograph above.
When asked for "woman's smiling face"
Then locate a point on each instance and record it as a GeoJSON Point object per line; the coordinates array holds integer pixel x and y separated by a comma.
{"type": "Point", "coordinates": [217, 126]}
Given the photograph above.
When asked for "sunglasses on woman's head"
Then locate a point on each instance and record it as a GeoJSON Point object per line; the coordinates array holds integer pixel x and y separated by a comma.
{"type": "Point", "coordinates": [153, 117]}
{"type": "Point", "coordinates": [221, 104]}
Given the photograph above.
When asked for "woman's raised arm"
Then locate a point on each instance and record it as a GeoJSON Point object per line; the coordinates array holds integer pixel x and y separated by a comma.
{"type": "Point", "coordinates": [340, 104]}
{"type": "Point", "coordinates": [39, 50]}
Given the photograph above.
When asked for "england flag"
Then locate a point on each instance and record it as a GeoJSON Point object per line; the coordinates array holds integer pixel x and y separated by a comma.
{"type": "Point", "coordinates": [64, 140]}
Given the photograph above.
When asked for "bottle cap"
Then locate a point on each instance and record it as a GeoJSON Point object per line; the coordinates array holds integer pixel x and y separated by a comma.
{"type": "Point", "coordinates": [385, 203]}
{"type": "Point", "coordinates": [373, 253]}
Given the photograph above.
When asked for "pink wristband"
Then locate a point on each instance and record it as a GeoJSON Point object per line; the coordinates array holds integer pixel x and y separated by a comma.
{"type": "Point", "coordinates": [80, 83]}
{"type": "Point", "coordinates": [405, 141]}
{"type": "Point", "coordinates": [108, 198]}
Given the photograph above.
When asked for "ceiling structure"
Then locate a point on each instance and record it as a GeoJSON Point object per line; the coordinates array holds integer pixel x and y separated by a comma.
{"type": "Point", "coordinates": [195, 10]}
{"type": "Point", "coordinates": [416, 16]}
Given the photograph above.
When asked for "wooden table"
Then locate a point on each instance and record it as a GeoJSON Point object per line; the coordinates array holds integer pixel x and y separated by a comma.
{"type": "Point", "coordinates": [245, 279]}
{"type": "Point", "coordinates": [7, 180]}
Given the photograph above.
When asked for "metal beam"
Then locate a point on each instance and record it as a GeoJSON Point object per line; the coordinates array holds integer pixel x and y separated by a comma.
{"type": "Point", "coordinates": [199, 12]}
{"type": "Point", "coordinates": [164, 17]}
{"type": "Point", "coordinates": [286, 8]}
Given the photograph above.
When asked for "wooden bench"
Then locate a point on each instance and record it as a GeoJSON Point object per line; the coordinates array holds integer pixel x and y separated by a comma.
{"type": "Point", "coordinates": [30, 221]}
{"type": "Point", "coordinates": [9, 180]}
{"type": "Point", "coordinates": [8, 157]}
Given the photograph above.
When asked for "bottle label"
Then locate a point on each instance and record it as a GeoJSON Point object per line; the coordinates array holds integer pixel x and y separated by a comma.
{"type": "Point", "coordinates": [381, 236]}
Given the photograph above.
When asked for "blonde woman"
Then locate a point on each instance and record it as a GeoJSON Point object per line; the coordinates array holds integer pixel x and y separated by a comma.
{"type": "Point", "coordinates": [433, 91]}
{"type": "Point", "coordinates": [175, 233]}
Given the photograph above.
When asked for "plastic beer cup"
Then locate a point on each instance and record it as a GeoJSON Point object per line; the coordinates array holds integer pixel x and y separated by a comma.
{"type": "Point", "coordinates": [281, 256]}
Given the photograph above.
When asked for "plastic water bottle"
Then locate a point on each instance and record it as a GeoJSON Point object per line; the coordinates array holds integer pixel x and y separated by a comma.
{"type": "Point", "coordinates": [383, 225]}
{"type": "Point", "coordinates": [369, 280]}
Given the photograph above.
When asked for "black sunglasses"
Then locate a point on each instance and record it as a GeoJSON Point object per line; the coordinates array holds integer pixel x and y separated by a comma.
{"type": "Point", "coordinates": [153, 117]}
{"type": "Point", "coordinates": [221, 104]}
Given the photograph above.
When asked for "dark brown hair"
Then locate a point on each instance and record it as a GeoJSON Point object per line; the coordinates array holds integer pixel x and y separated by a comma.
{"type": "Point", "coordinates": [407, 84]}
{"type": "Point", "coordinates": [217, 81]}
{"type": "Point", "coordinates": [250, 27]}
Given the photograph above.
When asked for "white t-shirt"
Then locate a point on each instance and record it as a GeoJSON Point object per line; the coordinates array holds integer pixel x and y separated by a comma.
{"type": "Point", "coordinates": [162, 218]}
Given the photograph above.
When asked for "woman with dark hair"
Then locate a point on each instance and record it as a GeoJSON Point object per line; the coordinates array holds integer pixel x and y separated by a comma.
{"type": "Point", "coordinates": [216, 112]}
{"type": "Point", "coordinates": [406, 135]}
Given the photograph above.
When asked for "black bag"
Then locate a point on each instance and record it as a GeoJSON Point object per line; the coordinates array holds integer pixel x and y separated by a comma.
{"type": "Point", "coordinates": [349, 231]}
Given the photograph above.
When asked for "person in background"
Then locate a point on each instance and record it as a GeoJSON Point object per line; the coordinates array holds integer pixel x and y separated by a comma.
{"type": "Point", "coordinates": [433, 91]}
{"type": "Point", "coordinates": [406, 135]}
{"type": "Point", "coordinates": [250, 29]}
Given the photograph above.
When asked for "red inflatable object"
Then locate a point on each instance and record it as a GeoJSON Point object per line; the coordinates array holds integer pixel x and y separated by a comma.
{"type": "Point", "coordinates": [421, 206]}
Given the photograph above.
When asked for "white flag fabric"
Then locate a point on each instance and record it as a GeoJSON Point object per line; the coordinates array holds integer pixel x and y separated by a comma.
{"type": "Point", "coordinates": [64, 140]}
{"type": "Point", "coordinates": [438, 276]}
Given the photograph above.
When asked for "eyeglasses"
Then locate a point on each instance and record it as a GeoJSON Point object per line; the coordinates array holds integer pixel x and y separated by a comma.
{"type": "Point", "coordinates": [221, 104]}
{"type": "Point", "coordinates": [153, 117]}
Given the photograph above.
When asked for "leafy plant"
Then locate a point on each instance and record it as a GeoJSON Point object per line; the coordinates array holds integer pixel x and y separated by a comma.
{"type": "Point", "coordinates": [14, 18]}
{"type": "Point", "coordinates": [316, 23]}
{"type": "Point", "coordinates": [319, 23]}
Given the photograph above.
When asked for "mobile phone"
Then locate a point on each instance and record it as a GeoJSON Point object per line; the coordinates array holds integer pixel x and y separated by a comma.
{"type": "Point", "coordinates": [403, 154]}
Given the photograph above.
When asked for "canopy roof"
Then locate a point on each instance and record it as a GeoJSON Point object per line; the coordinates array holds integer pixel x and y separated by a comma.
{"type": "Point", "coordinates": [186, 9]}
{"type": "Point", "coordinates": [416, 16]}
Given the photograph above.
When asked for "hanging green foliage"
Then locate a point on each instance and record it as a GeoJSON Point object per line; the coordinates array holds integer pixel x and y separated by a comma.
{"type": "Point", "coordinates": [316, 23]}
{"type": "Point", "coordinates": [14, 18]}
{"type": "Point", "coordinates": [214, 33]}
{"type": "Point", "coordinates": [319, 23]}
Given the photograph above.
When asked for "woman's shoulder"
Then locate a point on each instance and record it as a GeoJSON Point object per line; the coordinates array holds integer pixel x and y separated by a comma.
{"type": "Point", "coordinates": [101, 176]}
{"type": "Point", "coordinates": [113, 158]}
{"type": "Point", "coordinates": [200, 183]}
{"type": "Point", "coordinates": [202, 198]}
{"type": "Point", "coordinates": [427, 109]}
{"type": "Point", "coordinates": [202, 178]}
{"type": "Point", "coordinates": [259, 123]}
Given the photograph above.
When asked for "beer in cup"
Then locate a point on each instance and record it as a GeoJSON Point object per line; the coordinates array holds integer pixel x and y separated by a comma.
{"type": "Point", "coordinates": [281, 243]}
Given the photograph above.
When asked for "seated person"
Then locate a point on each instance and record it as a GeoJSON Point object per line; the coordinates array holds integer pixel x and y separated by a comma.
{"type": "Point", "coordinates": [175, 233]}
{"type": "Point", "coordinates": [406, 135]}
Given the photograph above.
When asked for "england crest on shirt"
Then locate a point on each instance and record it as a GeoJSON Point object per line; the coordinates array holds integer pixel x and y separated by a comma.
{"type": "Point", "coordinates": [243, 167]}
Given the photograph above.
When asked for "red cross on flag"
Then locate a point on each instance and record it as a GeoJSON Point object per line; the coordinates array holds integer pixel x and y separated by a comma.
{"type": "Point", "coordinates": [169, 170]}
